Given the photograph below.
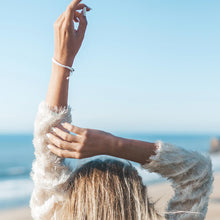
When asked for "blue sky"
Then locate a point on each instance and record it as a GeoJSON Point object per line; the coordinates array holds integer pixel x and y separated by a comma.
{"type": "Point", "coordinates": [145, 66]}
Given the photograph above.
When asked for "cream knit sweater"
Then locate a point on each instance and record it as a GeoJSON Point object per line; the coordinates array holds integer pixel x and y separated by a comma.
{"type": "Point", "coordinates": [190, 173]}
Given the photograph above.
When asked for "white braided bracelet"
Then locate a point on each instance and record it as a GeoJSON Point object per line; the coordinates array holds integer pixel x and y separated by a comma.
{"type": "Point", "coordinates": [67, 67]}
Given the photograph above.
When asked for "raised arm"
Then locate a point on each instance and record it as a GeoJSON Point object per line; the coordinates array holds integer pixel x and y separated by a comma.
{"type": "Point", "coordinates": [67, 44]}
{"type": "Point", "coordinates": [49, 173]}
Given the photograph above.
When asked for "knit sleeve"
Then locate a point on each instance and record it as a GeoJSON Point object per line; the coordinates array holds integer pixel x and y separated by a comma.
{"type": "Point", "coordinates": [49, 173]}
{"type": "Point", "coordinates": [191, 177]}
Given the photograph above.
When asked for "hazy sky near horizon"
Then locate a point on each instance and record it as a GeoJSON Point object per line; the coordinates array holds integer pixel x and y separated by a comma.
{"type": "Point", "coordinates": [144, 66]}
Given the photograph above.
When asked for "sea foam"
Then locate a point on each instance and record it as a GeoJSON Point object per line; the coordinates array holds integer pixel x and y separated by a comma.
{"type": "Point", "coordinates": [13, 189]}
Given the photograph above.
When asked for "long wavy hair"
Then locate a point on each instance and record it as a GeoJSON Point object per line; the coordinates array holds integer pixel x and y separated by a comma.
{"type": "Point", "coordinates": [107, 190]}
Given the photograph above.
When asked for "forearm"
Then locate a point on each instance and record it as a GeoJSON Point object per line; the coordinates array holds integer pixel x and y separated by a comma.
{"type": "Point", "coordinates": [134, 150]}
{"type": "Point", "coordinates": [68, 41]}
{"type": "Point", "coordinates": [57, 94]}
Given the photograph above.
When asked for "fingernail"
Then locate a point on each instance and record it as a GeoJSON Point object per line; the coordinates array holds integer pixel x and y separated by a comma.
{"type": "Point", "coordinates": [54, 129]}
{"type": "Point", "coordinates": [48, 146]}
{"type": "Point", "coordinates": [48, 135]}
{"type": "Point", "coordinates": [62, 124]}
{"type": "Point", "coordinates": [84, 11]}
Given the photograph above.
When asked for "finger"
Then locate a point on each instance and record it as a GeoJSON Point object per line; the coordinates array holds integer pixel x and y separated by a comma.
{"type": "Point", "coordinates": [82, 25]}
{"type": "Point", "coordinates": [76, 16]}
{"type": "Point", "coordinates": [76, 19]}
{"type": "Point", "coordinates": [73, 128]}
{"type": "Point", "coordinates": [66, 136]}
{"type": "Point", "coordinates": [60, 19]}
{"type": "Point", "coordinates": [73, 4]}
{"type": "Point", "coordinates": [66, 153]}
{"type": "Point", "coordinates": [81, 6]}
{"type": "Point", "coordinates": [71, 9]}
{"type": "Point", "coordinates": [60, 152]}
{"type": "Point", "coordinates": [58, 142]}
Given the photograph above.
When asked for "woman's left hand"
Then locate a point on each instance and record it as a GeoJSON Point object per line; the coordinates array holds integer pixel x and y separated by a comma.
{"type": "Point", "coordinates": [67, 38]}
{"type": "Point", "coordinates": [85, 143]}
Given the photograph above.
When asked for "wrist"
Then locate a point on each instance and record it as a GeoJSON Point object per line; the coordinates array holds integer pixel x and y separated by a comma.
{"type": "Point", "coordinates": [65, 61]}
{"type": "Point", "coordinates": [59, 71]}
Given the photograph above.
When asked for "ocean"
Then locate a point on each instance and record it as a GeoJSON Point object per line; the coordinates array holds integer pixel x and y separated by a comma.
{"type": "Point", "coordinates": [17, 154]}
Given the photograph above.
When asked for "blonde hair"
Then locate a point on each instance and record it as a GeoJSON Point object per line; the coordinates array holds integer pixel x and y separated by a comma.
{"type": "Point", "coordinates": [107, 190]}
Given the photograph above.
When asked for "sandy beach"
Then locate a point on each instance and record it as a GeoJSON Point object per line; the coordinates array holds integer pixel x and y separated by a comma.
{"type": "Point", "coordinates": [163, 192]}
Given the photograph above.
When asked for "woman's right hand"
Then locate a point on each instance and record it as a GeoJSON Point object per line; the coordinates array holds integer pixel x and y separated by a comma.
{"type": "Point", "coordinates": [68, 39]}
{"type": "Point", "coordinates": [85, 143]}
